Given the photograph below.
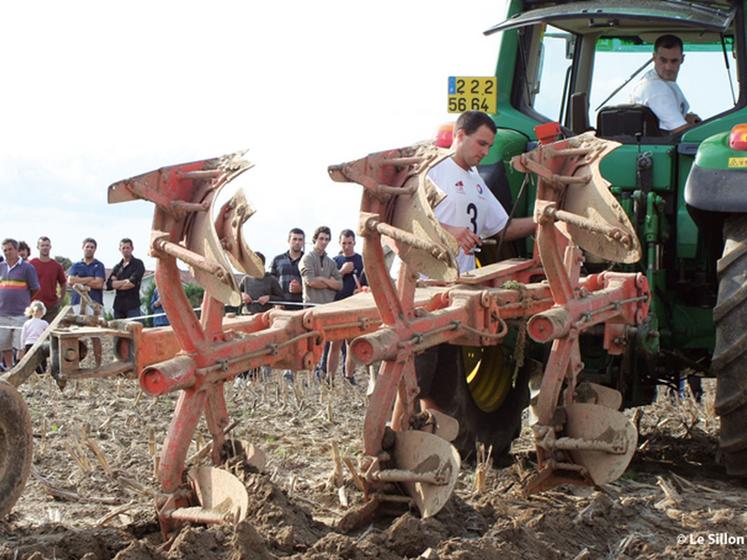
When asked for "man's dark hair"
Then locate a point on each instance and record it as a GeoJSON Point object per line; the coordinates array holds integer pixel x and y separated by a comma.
{"type": "Point", "coordinates": [43, 238]}
{"type": "Point", "coordinates": [260, 256]}
{"type": "Point", "coordinates": [296, 231]}
{"type": "Point", "coordinates": [10, 241]}
{"type": "Point", "coordinates": [668, 42]}
{"type": "Point", "coordinates": [470, 121]}
{"type": "Point", "coordinates": [23, 245]}
{"type": "Point", "coordinates": [126, 240]}
{"type": "Point", "coordinates": [320, 230]}
{"type": "Point", "coordinates": [347, 233]}
{"type": "Point", "coordinates": [90, 240]}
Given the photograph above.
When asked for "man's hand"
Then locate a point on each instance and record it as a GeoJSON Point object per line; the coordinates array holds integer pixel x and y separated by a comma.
{"type": "Point", "coordinates": [262, 300]}
{"type": "Point", "coordinates": [347, 268]}
{"type": "Point", "coordinates": [692, 118]}
{"type": "Point", "coordinates": [295, 287]}
{"type": "Point", "coordinates": [465, 237]}
{"type": "Point", "coordinates": [246, 298]}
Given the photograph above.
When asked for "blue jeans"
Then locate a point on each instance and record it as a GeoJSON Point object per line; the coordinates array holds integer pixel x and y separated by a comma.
{"type": "Point", "coordinates": [134, 312]}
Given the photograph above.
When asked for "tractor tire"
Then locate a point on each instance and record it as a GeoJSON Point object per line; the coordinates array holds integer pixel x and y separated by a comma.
{"type": "Point", "coordinates": [728, 363]}
{"type": "Point", "coordinates": [16, 446]}
{"type": "Point", "coordinates": [445, 382]}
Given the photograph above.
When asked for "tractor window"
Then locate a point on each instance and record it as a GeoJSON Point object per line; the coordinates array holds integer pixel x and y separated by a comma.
{"type": "Point", "coordinates": [703, 76]}
{"type": "Point", "coordinates": [550, 89]}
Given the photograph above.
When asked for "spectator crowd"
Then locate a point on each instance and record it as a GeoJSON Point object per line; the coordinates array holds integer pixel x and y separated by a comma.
{"type": "Point", "coordinates": [32, 289]}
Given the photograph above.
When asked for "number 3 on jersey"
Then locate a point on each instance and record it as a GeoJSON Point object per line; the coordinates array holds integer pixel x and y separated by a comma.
{"type": "Point", "coordinates": [472, 213]}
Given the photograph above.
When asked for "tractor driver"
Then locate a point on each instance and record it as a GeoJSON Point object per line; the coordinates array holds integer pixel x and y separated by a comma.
{"type": "Point", "coordinates": [470, 212]}
{"type": "Point", "coordinates": [658, 89]}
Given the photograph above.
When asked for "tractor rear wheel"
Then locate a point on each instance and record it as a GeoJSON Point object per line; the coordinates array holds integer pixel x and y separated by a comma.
{"type": "Point", "coordinates": [477, 387]}
{"type": "Point", "coordinates": [16, 445]}
{"type": "Point", "coordinates": [730, 317]}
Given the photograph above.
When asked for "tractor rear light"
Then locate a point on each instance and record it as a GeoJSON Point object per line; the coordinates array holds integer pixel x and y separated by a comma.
{"type": "Point", "coordinates": [738, 137]}
{"type": "Point", "coordinates": [445, 135]}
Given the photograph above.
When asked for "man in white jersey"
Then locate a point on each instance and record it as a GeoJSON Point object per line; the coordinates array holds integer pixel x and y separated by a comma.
{"type": "Point", "coordinates": [469, 211]}
{"type": "Point", "coordinates": [658, 89]}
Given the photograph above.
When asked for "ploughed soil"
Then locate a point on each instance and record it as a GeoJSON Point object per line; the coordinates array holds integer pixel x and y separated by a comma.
{"type": "Point", "coordinates": [91, 493]}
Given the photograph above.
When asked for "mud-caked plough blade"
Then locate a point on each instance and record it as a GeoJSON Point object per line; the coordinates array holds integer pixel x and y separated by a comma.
{"type": "Point", "coordinates": [581, 436]}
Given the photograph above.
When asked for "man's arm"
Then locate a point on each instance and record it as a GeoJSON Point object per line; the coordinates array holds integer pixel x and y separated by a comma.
{"type": "Point", "coordinates": [346, 268]}
{"type": "Point", "coordinates": [307, 271]}
{"type": "Point", "coordinates": [336, 285]}
{"type": "Point", "coordinates": [61, 278]}
{"type": "Point", "coordinates": [465, 237]}
{"type": "Point", "coordinates": [98, 279]}
{"type": "Point", "coordinates": [519, 228]}
{"type": "Point", "coordinates": [691, 119]}
{"type": "Point", "coordinates": [32, 281]}
{"type": "Point", "coordinates": [83, 280]}
{"type": "Point", "coordinates": [121, 285]}
{"type": "Point", "coordinates": [319, 282]}
{"type": "Point", "coordinates": [335, 281]}
{"type": "Point", "coordinates": [138, 271]}
{"type": "Point", "coordinates": [112, 283]}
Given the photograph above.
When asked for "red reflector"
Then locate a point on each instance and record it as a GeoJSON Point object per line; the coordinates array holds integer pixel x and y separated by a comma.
{"type": "Point", "coordinates": [738, 137]}
{"type": "Point", "coordinates": [548, 132]}
{"type": "Point", "coordinates": [445, 135]}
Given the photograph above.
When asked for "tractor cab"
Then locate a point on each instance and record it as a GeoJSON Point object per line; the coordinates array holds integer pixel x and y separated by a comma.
{"type": "Point", "coordinates": [577, 63]}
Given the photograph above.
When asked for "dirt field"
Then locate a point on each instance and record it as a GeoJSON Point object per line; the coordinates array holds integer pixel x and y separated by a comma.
{"type": "Point", "coordinates": [673, 502]}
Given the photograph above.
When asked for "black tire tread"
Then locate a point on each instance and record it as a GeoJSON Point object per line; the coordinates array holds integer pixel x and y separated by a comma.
{"type": "Point", "coordinates": [452, 395]}
{"type": "Point", "coordinates": [730, 317]}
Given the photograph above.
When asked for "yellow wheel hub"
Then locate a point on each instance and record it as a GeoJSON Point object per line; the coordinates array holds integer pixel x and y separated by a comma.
{"type": "Point", "coordinates": [489, 375]}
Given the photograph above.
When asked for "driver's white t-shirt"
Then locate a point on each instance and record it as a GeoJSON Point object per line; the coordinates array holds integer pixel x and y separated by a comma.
{"type": "Point", "coordinates": [664, 98]}
{"type": "Point", "coordinates": [468, 203]}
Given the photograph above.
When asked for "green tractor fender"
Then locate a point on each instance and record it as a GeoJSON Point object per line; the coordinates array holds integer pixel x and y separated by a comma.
{"type": "Point", "coordinates": [718, 179]}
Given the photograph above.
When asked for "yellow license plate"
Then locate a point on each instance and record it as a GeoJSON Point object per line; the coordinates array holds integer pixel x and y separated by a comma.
{"type": "Point", "coordinates": [738, 162]}
{"type": "Point", "coordinates": [473, 94]}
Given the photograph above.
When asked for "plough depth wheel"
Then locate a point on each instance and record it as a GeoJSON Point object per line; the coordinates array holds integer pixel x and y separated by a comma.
{"type": "Point", "coordinates": [494, 423]}
{"type": "Point", "coordinates": [16, 446]}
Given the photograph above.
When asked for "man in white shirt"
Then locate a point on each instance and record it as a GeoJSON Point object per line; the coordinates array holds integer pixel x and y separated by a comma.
{"type": "Point", "coordinates": [469, 211]}
{"type": "Point", "coordinates": [658, 89]}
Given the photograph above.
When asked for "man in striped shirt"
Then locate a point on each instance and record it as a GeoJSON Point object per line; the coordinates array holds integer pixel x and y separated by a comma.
{"type": "Point", "coordinates": [18, 284]}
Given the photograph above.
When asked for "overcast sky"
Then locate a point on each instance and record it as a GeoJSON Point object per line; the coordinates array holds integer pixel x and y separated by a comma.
{"type": "Point", "coordinates": [95, 92]}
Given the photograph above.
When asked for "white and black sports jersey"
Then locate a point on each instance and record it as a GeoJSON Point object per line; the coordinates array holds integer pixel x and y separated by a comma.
{"type": "Point", "coordinates": [468, 203]}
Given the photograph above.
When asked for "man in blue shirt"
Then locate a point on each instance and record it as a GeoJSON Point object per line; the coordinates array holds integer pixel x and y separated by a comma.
{"type": "Point", "coordinates": [156, 308]}
{"type": "Point", "coordinates": [18, 284]}
{"type": "Point", "coordinates": [89, 272]}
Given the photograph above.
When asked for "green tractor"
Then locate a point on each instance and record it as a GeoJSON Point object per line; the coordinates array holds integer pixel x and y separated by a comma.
{"type": "Point", "coordinates": [576, 63]}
